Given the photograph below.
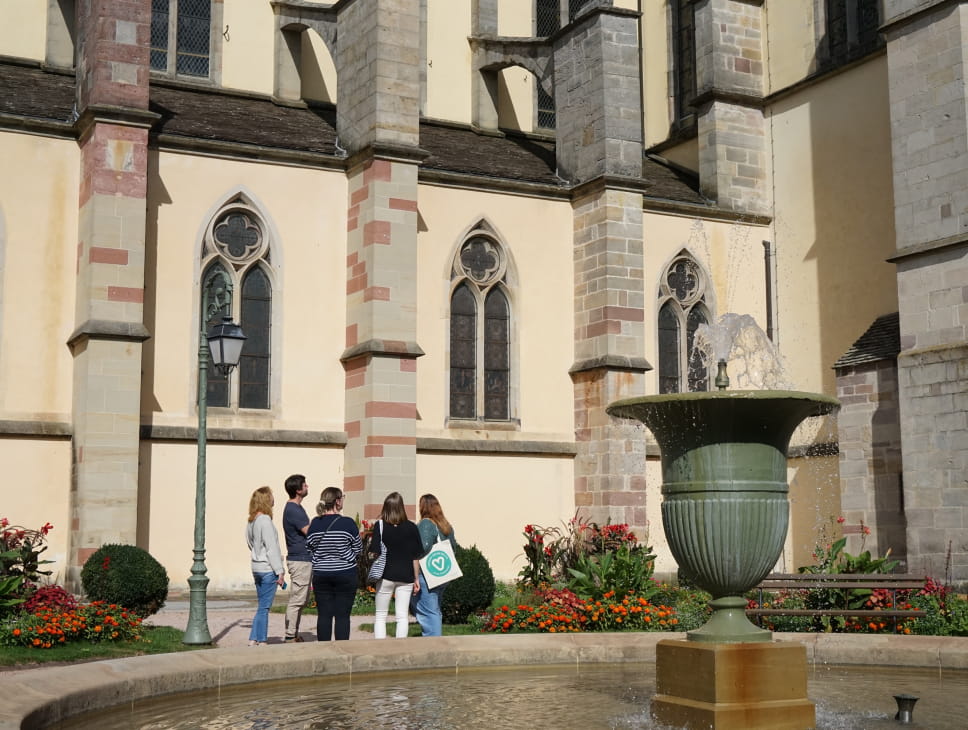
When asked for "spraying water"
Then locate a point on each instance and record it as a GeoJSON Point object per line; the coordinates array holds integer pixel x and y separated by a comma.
{"type": "Point", "coordinates": [753, 362]}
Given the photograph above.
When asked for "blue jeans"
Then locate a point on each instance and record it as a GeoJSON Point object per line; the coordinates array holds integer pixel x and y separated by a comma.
{"type": "Point", "coordinates": [426, 607]}
{"type": "Point", "coordinates": [265, 588]}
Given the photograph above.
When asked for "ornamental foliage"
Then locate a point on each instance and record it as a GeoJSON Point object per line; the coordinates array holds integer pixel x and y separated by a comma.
{"type": "Point", "coordinates": [128, 576]}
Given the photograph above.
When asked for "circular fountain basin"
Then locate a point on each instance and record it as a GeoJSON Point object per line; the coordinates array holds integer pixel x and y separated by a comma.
{"type": "Point", "coordinates": [614, 669]}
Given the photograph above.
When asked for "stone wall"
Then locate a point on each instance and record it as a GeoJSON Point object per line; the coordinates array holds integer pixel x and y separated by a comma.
{"type": "Point", "coordinates": [869, 434]}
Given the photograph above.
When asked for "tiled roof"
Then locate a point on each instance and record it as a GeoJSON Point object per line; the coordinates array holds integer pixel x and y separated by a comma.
{"type": "Point", "coordinates": [29, 92]}
{"type": "Point", "coordinates": [881, 341]}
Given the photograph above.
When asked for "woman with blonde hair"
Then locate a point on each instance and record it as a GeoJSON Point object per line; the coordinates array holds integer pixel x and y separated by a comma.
{"type": "Point", "coordinates": [334, 543]}
{"type": "Point", "coordinates": [433, 526]}
{"type": "Point", "coordinates": [401, 540]}
{"type": "Point", "coordinates": [266, 560]}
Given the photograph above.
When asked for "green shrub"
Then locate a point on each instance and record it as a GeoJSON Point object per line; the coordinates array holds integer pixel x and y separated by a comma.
{"type": "Point", "coordinates": [472, 592]}
{"type": "Point", "coordinates": [125, 575]}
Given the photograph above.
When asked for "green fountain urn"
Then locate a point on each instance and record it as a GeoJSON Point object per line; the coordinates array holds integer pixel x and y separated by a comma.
{"type": "Point", "coordinates": [725, 507]}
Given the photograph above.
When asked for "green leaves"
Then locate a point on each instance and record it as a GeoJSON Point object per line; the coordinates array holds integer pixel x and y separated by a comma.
{"type": "Point", "coordinates": [625, 570]}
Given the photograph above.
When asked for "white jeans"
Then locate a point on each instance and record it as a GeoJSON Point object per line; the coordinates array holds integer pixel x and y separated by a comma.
{"type": "Point", "coordinates": [401, 597]}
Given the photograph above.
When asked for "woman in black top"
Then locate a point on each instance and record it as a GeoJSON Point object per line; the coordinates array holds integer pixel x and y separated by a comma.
{"type": "Point", "coordinates": [402, 544]}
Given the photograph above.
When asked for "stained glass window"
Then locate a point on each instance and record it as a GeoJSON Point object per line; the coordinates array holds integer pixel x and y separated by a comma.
{"type": "Point", "coordinates": [682, 308]}
{"type": "Point", "coordinates": [547, 17]}
{"type": "Point", "coordinates": [684, 58]}
{"type": "Point", "coordinates": [463, 353]}
{"type": "Point", "coordinates": [480, 332]}
{"type": "Point", "coordinates": [218, 385]}
{"type": "Point", "coordinates": [851, 30]}
{"type": "Point", "coordinates": [497, 366]}
{"type": "Point", "coordinates": [256, 324]}
{"type": "Point", "coordinates": [182, 26]}
{"type": "Point", "coordinates": [235, 243]}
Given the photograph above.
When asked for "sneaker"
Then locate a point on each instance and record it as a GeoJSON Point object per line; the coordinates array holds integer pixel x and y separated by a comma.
{"type": "Point", "coordinates": [294, 639]}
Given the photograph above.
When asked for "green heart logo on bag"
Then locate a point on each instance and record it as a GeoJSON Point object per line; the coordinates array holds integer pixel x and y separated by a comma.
{"type": "Point", "coordinates": [440, 566]}
{"type": "Point", "coordinates": [438, 563]}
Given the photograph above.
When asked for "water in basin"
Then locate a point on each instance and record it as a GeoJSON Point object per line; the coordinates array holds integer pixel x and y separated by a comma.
{"type": "Point", "coordinates": [614, 696]}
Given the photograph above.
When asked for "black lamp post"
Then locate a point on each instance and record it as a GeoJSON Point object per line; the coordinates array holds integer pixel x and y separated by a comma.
{"type": "Point", "coordinates": [223, 343]}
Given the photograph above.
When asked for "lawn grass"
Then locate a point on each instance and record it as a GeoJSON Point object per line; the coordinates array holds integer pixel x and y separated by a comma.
{"type": "Point", "coordinates": [157, 640]}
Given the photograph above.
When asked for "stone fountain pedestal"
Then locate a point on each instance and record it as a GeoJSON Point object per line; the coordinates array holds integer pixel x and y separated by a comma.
{"type": "Point", "coordinates": [756, 685]}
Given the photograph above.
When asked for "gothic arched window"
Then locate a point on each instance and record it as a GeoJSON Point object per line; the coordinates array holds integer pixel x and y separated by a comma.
{"type": "Point", "coordinates": [682, 308]}
{"type": "Point", "coordinates": [236, 242]}
{"type": "Point", "coordinates": [480, 331]}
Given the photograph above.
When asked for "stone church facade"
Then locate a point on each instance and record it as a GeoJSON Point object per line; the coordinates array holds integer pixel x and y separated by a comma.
{"type": "Point", "coordinates": [456, 230]}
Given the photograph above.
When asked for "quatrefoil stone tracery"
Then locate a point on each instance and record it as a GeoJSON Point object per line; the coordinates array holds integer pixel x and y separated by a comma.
{"type": "Point", "coordinates": [480, 260]}
{"type": "Point", "coordinates": [237, 236]}
{"type": "Point", "coordinates": [684, 281]}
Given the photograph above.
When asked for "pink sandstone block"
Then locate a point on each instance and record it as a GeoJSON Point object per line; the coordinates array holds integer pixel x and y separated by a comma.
{"type": "Point", "coordinates": [376, 232]}
{"type": "Point", "coordinates": [125, 294]}
{"type": "Point", "coordinates": [377, 170]}
{"type": "Point", "coordinates": [354, 484]}
{"type": "Point", "coordinates": [359, 196]}
{"type": "Point", "coordinates": [372, 452]}
{"type": "Point", "coordinates": [391, 440]}
{"type": "Point", "coordinates": [376, 293]}
{"type": "Point", "coordinates": [101, 255]}
{"type": "Point", "coordinates": [403, 204]}
{"type": "Point", "coordinates": [385, 409]}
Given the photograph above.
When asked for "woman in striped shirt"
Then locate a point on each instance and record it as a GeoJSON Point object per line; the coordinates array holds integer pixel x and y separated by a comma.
{"type": "Point", "coordinates": [335, 545]}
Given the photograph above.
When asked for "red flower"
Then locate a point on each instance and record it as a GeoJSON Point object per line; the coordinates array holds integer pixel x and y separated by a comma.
{"type": "Point", "coordinates": [841, 520]}
{"type": "Point", "coordinates": [46, 528]}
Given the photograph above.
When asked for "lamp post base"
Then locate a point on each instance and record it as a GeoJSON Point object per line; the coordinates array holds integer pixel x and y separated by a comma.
{"type": "Point", "coordinates": [197, 632]}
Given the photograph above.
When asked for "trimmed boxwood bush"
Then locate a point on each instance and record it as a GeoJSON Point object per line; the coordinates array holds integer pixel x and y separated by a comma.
{"type": "Point", "coordinates": [128, 576]}
{"type": "Point", "coordinates": [473, 591]}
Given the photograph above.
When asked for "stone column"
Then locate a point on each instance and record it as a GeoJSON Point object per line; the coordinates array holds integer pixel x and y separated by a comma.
{"type": "Point", "coordinates": [929, 128]}
{"type": "Point", "coordinates": [112, 103]}
{"type": "Point", "coordinates": [869, 434]}
{"type": "Point", "coordinates": [599, 127]}
{"type": "Point", "coordinates": [378, 123]}
{"type": "Point", "coordinates": [609, 362]}
{"type": "Point", "coordinates": [729, 94]}
{"type": "Point", "coordinates": [598, 97]}
{"type": "Point", "coordinates": [927, 74]}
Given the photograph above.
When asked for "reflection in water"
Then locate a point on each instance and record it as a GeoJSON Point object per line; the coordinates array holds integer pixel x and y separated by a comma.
{"type": "Point", "coordinates": [560, 697]}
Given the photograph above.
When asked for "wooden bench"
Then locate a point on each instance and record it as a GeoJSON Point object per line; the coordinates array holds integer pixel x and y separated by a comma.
{"type": "Point", "coordinates": [843, 584]}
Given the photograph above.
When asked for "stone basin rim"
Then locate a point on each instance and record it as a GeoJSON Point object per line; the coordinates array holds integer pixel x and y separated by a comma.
{"type": "Point", "coordinates": [827, 403]}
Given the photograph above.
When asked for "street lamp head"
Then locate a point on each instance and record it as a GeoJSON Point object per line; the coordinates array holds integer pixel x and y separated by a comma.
{"type": "Point", "coordinates": [225, 341]}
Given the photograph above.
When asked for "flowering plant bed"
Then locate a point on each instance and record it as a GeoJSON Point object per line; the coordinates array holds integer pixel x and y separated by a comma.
{"type": "Point", "coordinates": [563, 612]}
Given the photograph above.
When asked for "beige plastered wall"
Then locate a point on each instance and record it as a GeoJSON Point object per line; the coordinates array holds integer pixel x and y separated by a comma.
{"type": "Point", "coordinates": [791, 42]}
{"type": "Point", "coordinates": [491, 497]}
{"type": "Point", "coordinates": [448, 61]}
{"type": "Point", "coordinates": [834, 227]}
{"type": "Point", "coordinates": [38, 250]}
{"type": "Point", "coordinates": [654, 34]}
{"type": "Point", "coordinates": [38, 234]}
{"type": "Point", "coordinates": [233, 473]}
{"type": "Point", "coordinates": [304, 211]}
{"type": "Point", "coordinates": [318, 71]}
{"type": "Point", "coordinates": [248, 51]}
{"type": "Point", "coordinates": [516, 87]}
{"type": "Point", "coordinates": [23, 30]}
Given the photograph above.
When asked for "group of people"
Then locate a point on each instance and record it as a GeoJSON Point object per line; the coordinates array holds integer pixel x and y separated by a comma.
{"type": "Point", "coordinates": [324, 553]}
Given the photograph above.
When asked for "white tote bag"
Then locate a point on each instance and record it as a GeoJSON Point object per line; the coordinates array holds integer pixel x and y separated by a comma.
{"type": "Point", "coordinates": [439, 566]}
